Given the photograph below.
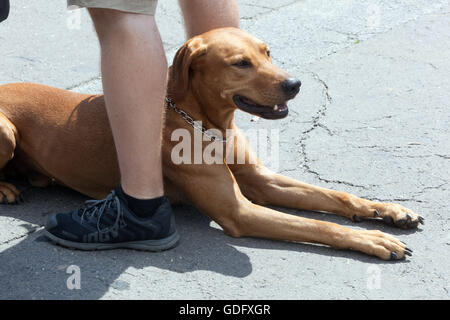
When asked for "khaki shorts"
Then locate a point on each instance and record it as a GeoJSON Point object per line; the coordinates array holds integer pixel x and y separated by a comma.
{"type": "Point", "coordinates": [134, 6]}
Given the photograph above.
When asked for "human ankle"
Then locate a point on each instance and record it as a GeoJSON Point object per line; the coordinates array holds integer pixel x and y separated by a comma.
{"type": "Point", "coordinates": [141, 207]}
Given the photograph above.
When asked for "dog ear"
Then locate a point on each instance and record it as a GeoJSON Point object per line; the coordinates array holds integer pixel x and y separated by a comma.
{"type": "Point", "coordinates": [179, 72]}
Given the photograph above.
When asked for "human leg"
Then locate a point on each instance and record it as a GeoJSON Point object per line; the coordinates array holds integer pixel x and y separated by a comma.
{"type": "Point", "coordinates": [203, 15]}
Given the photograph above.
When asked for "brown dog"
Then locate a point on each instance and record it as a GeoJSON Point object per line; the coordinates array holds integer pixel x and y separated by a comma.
{"type": "Point", "coordinates": [52, 134]}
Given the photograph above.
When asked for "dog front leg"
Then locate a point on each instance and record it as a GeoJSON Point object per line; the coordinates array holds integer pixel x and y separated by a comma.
{"type": "Point", "coordinates": [265, 187]}
{"type": "Point", "coordinates": [215, 192]}
{"type": "Point", "coordinates": [257, 221]}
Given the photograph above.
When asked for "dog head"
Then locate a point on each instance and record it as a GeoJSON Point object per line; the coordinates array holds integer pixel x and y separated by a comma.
{"type": "Point", "coordinates": [229, 68]}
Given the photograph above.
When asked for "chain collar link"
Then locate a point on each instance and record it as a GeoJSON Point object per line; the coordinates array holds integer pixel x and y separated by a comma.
{"type": "Point", "coordinates": [193, 123]}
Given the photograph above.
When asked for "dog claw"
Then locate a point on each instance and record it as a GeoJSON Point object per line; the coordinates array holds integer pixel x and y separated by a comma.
{"type": "Point", "coordinates": [409, 216]}
{"type": "Point", "coordinates": [356, 218]}
{"type": "Point", "coordinates": [421, 220]}
{"type": "Point", "coordinates": [408, 253]}
{"type": "Point", "coordinates": [394, 256]}
{"type": "Point", "coordinates": [408, 249]}
{"type": "Point", "coordinates": [376, 214]}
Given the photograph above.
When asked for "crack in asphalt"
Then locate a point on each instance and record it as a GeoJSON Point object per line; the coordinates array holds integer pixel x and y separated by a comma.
{"type": "Point", "coordinates": [408, 59]}
{"type": "Point", "coordinates": [29, 232]}
{"type": "Point", "coordinates": [272, 9]}
{"type": "Point", "coordinates": [393, 199]}
{"type": "Point", "coordinates": [86, 82]}
{"type": "Point", "coordinates": [316, 123]}
{"type": "Point", "coordinates": [391, 149]}
{"type": "Point", "coordinates": [430, 188]}
{"type": "Point", "coordinates": [413, 199]}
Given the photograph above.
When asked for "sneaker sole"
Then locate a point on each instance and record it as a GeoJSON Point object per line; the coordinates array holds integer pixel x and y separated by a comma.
{"type": "Point", "coordinates": [145, 245]}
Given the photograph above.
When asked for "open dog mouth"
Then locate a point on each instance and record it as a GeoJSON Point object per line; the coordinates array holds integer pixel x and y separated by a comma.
{"type": "Point", "coordinates": [278, 111]}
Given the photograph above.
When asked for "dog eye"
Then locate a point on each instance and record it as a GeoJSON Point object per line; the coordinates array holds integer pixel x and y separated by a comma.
{"type": "Point", "coordinates": [268, 53]}
{"type": "Point", "coordinates": [242, 64]}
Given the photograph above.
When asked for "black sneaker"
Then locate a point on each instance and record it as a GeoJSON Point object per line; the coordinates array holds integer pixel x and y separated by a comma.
{"type": "Point", "coordinates": [109, 224]}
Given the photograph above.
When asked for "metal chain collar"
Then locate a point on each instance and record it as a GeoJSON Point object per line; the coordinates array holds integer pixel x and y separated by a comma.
{"type": "Point", "coordinates": [193, 123]}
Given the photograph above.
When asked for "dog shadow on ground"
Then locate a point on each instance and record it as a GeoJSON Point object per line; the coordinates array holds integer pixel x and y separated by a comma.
{"type": "Point", "coordinates": [31, 267]}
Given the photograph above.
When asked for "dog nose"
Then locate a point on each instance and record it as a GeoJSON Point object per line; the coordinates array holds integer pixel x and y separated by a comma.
{"type": "Point", "coordinates": [291, 86]}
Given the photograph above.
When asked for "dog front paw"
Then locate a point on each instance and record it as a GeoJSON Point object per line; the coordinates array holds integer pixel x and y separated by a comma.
{"type": "Point", "coordinates": [399, 216]}
{"type": "Point", "coordinates": [377, 243]}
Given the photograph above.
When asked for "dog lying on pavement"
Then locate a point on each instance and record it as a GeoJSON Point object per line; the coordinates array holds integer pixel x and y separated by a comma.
{"type": "Point", "coordinates": [50, 134]}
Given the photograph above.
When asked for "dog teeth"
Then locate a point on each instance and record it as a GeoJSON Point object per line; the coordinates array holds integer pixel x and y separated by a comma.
{"type": "Point", "coordinates": [275, 108]}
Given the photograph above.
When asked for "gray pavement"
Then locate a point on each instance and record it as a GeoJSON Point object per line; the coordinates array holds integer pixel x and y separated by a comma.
{"type": "Point", "coordinates": [372, 119]}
